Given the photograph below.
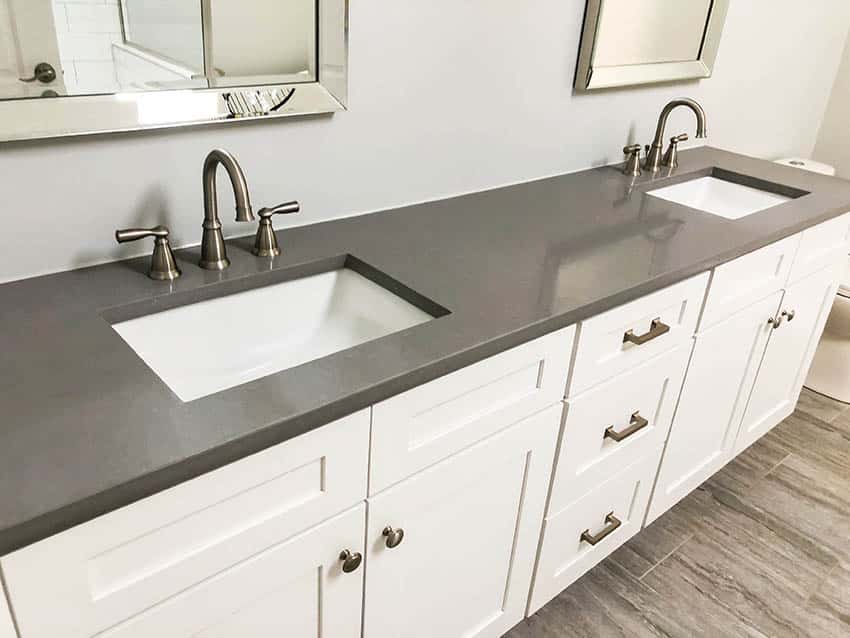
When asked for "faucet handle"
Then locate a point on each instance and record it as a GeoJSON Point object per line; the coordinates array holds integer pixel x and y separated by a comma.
{"type": "Point", "coordinates": [163, 264]}
{"type": "Point", "coordinates": [671, 156]}
{"type": "Point", "coordinates": [265, 244]}
{"type": "Point", "coordinates": [632, 166]}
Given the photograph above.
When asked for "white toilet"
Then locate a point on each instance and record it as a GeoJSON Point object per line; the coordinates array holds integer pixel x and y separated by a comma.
{"type": "Point", "coordinates": [830, 371]}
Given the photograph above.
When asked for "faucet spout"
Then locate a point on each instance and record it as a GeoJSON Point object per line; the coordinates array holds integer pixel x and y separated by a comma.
{"type": "Point", "coordinates": [654, 156]}
{"type": "Point", "coordinates": [213, 251]}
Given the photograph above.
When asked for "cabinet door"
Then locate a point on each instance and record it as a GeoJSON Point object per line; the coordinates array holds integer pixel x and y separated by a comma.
{"type": "Point", "coordinates": [7, 629]}
{"type": "Point", "coordinates": [723, 366]}
{"type": "Point", "coordinates": [471, 525]}
{"type": "Point", "coordinates": [789, 354]}
{"type": "Point", "coordinates": [297, 588]}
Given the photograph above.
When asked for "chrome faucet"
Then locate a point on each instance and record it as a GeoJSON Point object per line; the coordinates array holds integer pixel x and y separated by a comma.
{"type": "Point", "coordinates": [213, 251]}
{"type": "Point", "coordinates": [655, 153]}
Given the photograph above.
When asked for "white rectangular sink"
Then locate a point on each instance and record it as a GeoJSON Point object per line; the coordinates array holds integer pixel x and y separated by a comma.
{"type": "Point", "coordinates": [727, 199]}
{"type": "Point", "coordinates": [212, 345]}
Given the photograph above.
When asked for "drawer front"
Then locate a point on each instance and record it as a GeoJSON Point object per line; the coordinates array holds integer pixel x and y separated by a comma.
{"type": "Point", "coordinates": [296, 588]}
{"type": "Point", "coordinates": [630, 334]}
{"type": "Point", "coordinates": [103, 572]}
{"type": "Point", "coordinates": [424, 425]}
{"type": "Point", "coordinates": [821, 246]}
{"type": "Point", "coordinates": [616, 424]}
{"type": "Point", "coordinates": [740, 282]}
{"type": "Point", "coordinates": [566, 551]}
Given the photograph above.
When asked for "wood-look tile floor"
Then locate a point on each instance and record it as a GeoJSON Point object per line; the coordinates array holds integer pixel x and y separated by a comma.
{"type": "Point", "coordinates": [762, 549]}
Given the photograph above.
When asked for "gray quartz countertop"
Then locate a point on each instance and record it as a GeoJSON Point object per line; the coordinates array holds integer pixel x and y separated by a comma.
{"type": "Point", "coordinates": [86, 427]}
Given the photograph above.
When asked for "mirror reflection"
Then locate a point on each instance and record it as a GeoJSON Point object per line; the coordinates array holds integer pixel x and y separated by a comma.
{"type": "Point", "coordinates": [51, 48]}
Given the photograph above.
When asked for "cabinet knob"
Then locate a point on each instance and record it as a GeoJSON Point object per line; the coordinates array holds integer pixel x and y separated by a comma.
{"type": "Point", "coordinates": [350, 561]}
{"type": "Point", "coordinates": [394, 536]}
{"type": "Point", "coordinates": [775, 322]}
{"type": "Point", "coordinates": [789, 314]}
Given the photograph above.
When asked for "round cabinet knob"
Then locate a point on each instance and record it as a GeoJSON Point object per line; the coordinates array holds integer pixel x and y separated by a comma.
{"type": "Point", "coordinates": [350, 562]}
{"type": "Point", "coordinates": [394, 536]}
{"type": "Point", "coordinates": [789, 314]}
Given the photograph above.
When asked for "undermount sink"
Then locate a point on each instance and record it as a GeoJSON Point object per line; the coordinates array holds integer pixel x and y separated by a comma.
{"type": "Point", "coordinates": [725, 196]}
{"type": "Point", "coordinates": [215, 344]}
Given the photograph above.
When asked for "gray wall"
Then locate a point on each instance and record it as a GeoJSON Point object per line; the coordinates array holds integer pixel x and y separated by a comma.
{"type": "Point", "coordinates": [446, 97]}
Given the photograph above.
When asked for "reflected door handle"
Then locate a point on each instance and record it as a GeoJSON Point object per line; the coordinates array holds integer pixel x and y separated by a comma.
{"type": "Point", "coordinates": [636, 424]}
{"type": "Point", "coordinates": [44, 73]}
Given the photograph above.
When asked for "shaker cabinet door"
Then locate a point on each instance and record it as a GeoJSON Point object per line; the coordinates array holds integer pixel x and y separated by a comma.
{"type": "Point", "coordinates": [723, 366]}
{"type": "Point", "coordinates": [7, 629]}
{"type": "Point", "coordinates": [803, 314]}
{"type": "Point", "coordinates": [450, 550]}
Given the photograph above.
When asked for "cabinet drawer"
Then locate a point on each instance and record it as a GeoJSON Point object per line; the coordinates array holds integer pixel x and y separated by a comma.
{"type": "Point", "coordinates": [657, 322]}
{"type": "Point", "coordinates": [821, 246]}
{"type": "Point", "coordinates": [566, 551]}
{"type": "Point", "coordinates": [296, 588]}
{"type": "Point", "coordinates": [740, 282]}
{"type": "Point", "coordinates": [100, 573]}
{"type": "Point", "coordinates": [641, 400]}
{"type": "Point", "coordinates": [424, 425]}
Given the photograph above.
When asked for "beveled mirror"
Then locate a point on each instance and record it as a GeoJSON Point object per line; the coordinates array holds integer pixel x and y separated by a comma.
{"type": "Point", "coordinates": [73, 67]}
{"type": "Point", "coordinates": [626, 42]}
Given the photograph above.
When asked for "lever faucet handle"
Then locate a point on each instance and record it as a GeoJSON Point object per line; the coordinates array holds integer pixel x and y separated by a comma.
{"type": "Point", "coordinates": [265, 244]}
{"type": "Point", "coordinates": [163, 264]}
{"type": "Point", "coordinates": [632, 166]}
{"type": "Point", "coordinates": [671, 156]}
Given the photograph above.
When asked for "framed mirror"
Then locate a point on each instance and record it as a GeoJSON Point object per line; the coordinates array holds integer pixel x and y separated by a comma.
{"type": "Point", "coordinates": [75, 67]}
{"type": "Point", "coordinates": [626, 43]}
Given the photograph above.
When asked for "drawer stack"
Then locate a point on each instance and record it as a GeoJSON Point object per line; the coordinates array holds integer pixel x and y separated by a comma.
{"type": "Point", "coordinates": [628, 369]}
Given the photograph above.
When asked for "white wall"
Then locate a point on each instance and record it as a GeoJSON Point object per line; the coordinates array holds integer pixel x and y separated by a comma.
{"type": "Point", "coordinates": [446, 97]}
{"type": "Point", "coordinates": [833, 144]}
{"type": "Point", "coordinates": [86, 30]}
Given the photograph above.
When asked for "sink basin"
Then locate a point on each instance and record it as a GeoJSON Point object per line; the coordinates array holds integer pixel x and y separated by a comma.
{"type": "Point", "coordinates": [724, 197]}
{"type": "Point", "coordinates": [209, 346]}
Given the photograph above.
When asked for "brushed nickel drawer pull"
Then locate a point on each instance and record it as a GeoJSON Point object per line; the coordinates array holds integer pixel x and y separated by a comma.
{"type": "Point", "coordinates": [611, 524]}
{"type": "Point", "coordinates": [656, 329]}
{"type": "Point", "coordinates": [636, 424]}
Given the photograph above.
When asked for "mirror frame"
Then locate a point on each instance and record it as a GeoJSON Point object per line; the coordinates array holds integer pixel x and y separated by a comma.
{"type": "Point", "coordinates": [76, 115]}
{"type": "Point", "coordinates": [589, 77]}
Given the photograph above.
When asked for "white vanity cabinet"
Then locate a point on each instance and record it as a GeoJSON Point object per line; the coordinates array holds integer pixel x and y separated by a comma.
{"type": "Point", "coordinates": [723, 367]}
{"type": "Point", "coordinates": [471, 524]}
{"type": "Point", "coordinates": [7, 627]}
{"type": "Point", "coordinates": [804, 310]}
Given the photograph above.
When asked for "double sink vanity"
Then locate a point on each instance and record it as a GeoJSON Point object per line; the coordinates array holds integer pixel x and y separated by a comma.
{"type": "Point", "coordinates": [422, 422]}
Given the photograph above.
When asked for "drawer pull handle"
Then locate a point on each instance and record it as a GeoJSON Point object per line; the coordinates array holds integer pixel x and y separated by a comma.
{"type": "Point", "coordinates": [611, 525]}
{"type": "Point", "coordinates": [350, 561]}
{"type": "Point", "coordinates": [636, 424]}
{"type": "Point", "coordinates": [656, 329]}
{"type": "Point", "coordinates": [394, 536]}
{"type": "Point", "coordinates": [789, 314]}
